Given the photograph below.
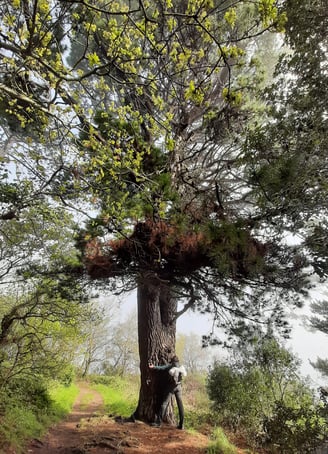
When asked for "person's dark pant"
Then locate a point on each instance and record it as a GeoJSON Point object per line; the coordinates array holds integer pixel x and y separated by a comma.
{"type": "Point", "coordinates": [177, 391]}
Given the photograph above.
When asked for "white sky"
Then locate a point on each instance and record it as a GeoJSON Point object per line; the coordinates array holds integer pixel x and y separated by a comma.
{"type": "Point", "coordinates": [306, 345]}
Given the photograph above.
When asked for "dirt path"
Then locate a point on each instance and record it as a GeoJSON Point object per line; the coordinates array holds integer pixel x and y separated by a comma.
{"type": "Point", "coordinates": [88, 431]}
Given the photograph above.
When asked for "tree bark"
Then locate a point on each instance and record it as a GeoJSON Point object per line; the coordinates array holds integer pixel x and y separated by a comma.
{"type": "Point", "coordinates": [156, 337]}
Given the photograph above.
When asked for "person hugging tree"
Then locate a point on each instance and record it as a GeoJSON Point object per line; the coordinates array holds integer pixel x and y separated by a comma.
{"type": "Point", "coordinates": [172, 386]}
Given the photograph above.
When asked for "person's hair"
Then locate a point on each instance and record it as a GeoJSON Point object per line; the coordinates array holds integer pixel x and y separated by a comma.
{"type": "Point", "coordinates": [175, 359]}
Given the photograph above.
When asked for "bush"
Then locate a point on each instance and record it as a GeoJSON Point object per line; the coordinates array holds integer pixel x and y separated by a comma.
{"type": "Point", "coordinates": [238, 398]}
{"type": "Point", "coordinates": [220, 383]}
{"type": "Point", "coordinates": [297, 427]}
{"type": "Point", "coordinates": [266, 402]}
{"type": "Point", "coordinates": [29, 392]}
{"type": "Point", "coordinates": [106, 380]}
{"type": "Point", "coordinates": [17, 425]}
{"type": "Point", "coordinates": [67, 375]}
{"type": "Point", "coordinates": [28, 409]}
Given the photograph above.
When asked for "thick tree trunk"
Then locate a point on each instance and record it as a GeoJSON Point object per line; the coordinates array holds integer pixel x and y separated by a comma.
{"type": "Point", "coordinates": [156, 336]}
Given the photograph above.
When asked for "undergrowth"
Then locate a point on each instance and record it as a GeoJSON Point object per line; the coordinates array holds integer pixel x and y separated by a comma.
{"type": "Point", "coordinates": [22, 420]}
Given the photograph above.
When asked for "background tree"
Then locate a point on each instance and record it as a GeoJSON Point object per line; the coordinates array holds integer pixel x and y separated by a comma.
{"type": "Point", "coordinates": [291, 142]}
{"type": "Point", "coordinates": [121, 355]}
{"type": "Point", "coordinates": [95, 340]}
{"type": "Point", "coordinates": [291, 151]}
{"type": "Point", "coordinates": [191, 353]}
{"type": "Point", "coordinates": [42, 305]}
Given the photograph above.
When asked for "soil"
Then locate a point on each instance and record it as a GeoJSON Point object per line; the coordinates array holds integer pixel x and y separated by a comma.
{"type": "Point", "coordinates": [87, 430]}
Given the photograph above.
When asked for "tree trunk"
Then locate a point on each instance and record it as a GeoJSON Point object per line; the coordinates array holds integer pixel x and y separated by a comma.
{"type": "Point", "coordinates": [156, 337]}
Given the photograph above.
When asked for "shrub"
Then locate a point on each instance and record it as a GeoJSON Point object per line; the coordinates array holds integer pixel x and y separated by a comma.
{"type": "Point", "coordinates": [221, 381]}
{"type": "Point", "coordinates": [29, 392]}
{"type": "Point", "coordinates": [264, 399]}
{"type": "Point", "coordinates": [67, 375]}
{"type": "Point", "coordinates": [27, 409]}
{"type": "Point", "coordinates": [106, 380]}
{"type": "Point", "coordinates": [17, 425]}
{"type": "Point", "coordinates": [297, 427]}
{"type": "Point", "coordinates": [238, 398]}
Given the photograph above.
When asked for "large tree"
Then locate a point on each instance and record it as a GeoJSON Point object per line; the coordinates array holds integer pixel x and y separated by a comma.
{"type": "Point", "coordinates": [153, 100]}
{"type": "Point", "coordinates": [171, 133]}
{"type": "Point", "coordinates": [212, 227]}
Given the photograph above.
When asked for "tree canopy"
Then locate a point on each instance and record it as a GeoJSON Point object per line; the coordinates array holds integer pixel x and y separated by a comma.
{"type": "Point", "coordinates": [147, 107]}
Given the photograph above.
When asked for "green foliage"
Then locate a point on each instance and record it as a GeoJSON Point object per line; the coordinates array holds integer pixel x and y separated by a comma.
{"type": "Point", "coordinates": [28, 408]}
{"type": "Point", "coordinates": [41, 312]}
{"type": "Point", "coordinates": [276, 177]}
{"type": "Point", "coordinates": [320, 320]}
{"type": "Point", "coordinates": [40, 332]}
{"type": "Point", "coordinates": [293, 143]}
{"type": "Point", "coordinates": [119, 173]}
{"type": "Point", "coordinates": [105, 380]}
{"type": "Point", "coordinates": [262, 397]}
{"type": "Point", "coordinates": [237, 397]}
{"type": "Point", "coordinates": [220, 444]}
{"type": "Point", "coordinates": [297, 426]}
{"type": "Point", "coordinates": [18, 425]}
{"type": "Point", "coordinates": [321, 365]}
{"type": "Point", "coordinates": [31, 392]}
{"type": "Point", "coordinates": [233, 249]}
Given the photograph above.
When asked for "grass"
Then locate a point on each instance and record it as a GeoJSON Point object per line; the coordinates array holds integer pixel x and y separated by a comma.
{"type": "Point", "coordinates": [119, 396]}
{"type": "Point", "coordinates": [220, 444]}
{"type": "Point", "coordinates": [63, 398]}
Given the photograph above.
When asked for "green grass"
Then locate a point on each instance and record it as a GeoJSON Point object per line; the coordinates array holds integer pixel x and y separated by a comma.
{"type": "Point", "coordinates": [63, 398]}
{"type": "Point", "coordinates": [119, 396]}
{"type": "Point", "coordinates": [220, 444]}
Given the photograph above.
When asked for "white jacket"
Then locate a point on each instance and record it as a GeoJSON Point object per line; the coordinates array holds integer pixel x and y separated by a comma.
{"type": "Point", "coordinates": [175, 371]}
